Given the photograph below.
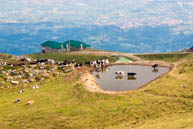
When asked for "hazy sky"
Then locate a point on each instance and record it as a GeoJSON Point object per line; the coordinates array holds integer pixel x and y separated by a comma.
{"type": "Point", "coordinates": [125, 13]}
{"type": "Point", "coordinates": [63, 14]}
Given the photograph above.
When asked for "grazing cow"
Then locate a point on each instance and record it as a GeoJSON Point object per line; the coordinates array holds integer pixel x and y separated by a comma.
{"type": "Point", "coordinates": [23, 59]}
{"type": "Point", "coordinates": [4, 63]}
{"type": "Point", "coordinates": [10, 64]}
{"type": "Point", "coordinates": [65, 63]}
{"type": "Point", "coordinates": [93, 63]}
{"type": "Point", "coordinates": [73, 61]}
{"type": "Point", "coordinates": [78, 65]}
{"type": "Point", "coordinates": [98, 63]}
{"type": "Point", "coordinates": [35, 87]}
{"type": "Point", "coordinates": [30, 102]}
{"type": "Point", "coordinates": [22, 90]}
{"type": "Point", "coordinates": [155, 66]}
{"type": "Point", "coordinates": [106, 62]}
{"type": "Point", "coordinates": [120, 73]}
{"type": "Point", "coordinates": [50, 61]}
{"type": "Point", "coordinates": [42, 61]}
{"type": "Point", "coordinates": [28, 59]}
{"type": "Point", "coordinates": [17, 101]}
{"type": "Point", "coordinates": [87, 62]}
{"type": "Point", "coordinates": [59, 63]}
{"type": "Point", "coordinates": [131, 74]}
{"type": "Point", "coordinates": [33, 63]}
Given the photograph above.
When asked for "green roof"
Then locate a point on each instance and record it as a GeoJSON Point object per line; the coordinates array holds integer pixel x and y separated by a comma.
{"type": "Point", "coordinates": [57, 45]}
{"type": "Point", "coordinates": [76, 44]}
{"type": "Point", "coordinates": [53, 44]}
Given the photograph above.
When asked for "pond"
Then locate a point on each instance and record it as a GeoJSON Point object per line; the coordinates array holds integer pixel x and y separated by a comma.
{"type": "Point", "coordinates": [108, 80]}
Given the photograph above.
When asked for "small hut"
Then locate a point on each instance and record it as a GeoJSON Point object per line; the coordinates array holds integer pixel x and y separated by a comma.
{"type": "Point", "coordinates": [70, 45]}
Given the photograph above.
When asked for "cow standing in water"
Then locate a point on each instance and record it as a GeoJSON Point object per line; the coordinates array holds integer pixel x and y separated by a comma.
{"type": "Point", "coordinates": [155, 67]}
{"type": "Point", "coordinates": [120, 75]}
{"type": "Point", "coordinates": [131, 75]}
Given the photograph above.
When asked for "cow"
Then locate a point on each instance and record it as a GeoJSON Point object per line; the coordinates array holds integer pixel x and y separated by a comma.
{"type": "Point", "coordinates": [87, 63]}
{"type": "Point", "coordinates": [106, 62]}
{"type": "Point", "coordinates": [33, 63]}
{"type": "Point", "coordinates": [93, 63]}
{"type": "Point", "coordinates": [155, 66]}
{"type": "Point", "coordinates": [17, 101]}
{"type": "Point", "coordinates": [23, 59]}
{"type": "Point", "coordinates": [4, 63]}
{"type": "Point", "coordinates": [78, 65]}
{"type": "Point", "coordinates": [73, 61]}
{"type": "Point", "coordinates": [35, 87]}
{"type": "Point", "coordinates": [59, 63]}
{"type": "Point", "coordinates": [42, 60]}
{"type": "Point", "coordinates": [50, 61]}
{"type": "Point", "coordinates": [30, 102]}
{"type": "Point", "coordinates": [120, 73]}
{"type": "Point", "coordinates": [22, 90]}
{"type": "Point", "coordinates": [131, 74]}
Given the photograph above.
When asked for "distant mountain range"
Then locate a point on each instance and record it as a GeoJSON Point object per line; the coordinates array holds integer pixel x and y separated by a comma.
{"type": "Point", "coordinates": [24, 38]}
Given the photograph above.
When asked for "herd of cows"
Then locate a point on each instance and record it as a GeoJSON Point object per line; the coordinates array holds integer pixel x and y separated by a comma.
{"type": "Point", "coordinates": [25, 70]}
{"type": "Point", "coordinates": [21, 66]}
{"type": "Point", "coordinates": [40, 65]}
{"type": "Point", "coordinates": [29, 61]}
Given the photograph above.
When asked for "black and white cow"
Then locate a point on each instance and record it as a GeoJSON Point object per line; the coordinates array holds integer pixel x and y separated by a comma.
{"type": "Point", "coordinates": [78, 65]}
{"type": "Point", "coordinates": [131, 74]}
{"type": "Point", "coordinates": [120, 73]}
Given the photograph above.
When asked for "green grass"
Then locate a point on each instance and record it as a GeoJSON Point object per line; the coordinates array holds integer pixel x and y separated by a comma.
{"type": "Point", "coordinates": [66, 105]}
{"type": "Point", "coordinates": [66, 56]}
{"type": "Point", "coordinates": [61, 104]}
{"type": "Point", "coordinates": [164, 57]}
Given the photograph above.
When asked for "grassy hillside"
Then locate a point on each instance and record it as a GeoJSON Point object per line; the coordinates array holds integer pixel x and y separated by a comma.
{"type": "Point", "coordinates": [164, 57]}
{"type": "Point", "coordinates": [65, 104]}
{"type": "Point", "coordinates": [5, 56]}
{"type": "Point", "coordinates": [70, 56]}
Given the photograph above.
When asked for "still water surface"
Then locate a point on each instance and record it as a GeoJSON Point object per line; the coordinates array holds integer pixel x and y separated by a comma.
{"type": "Point", "coordinates": [107, 80]}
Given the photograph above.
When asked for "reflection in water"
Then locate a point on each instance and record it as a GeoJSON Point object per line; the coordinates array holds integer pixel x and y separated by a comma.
{"type": "Point", "coordinates": [98, 75]}
{"type": "Point", "coordinates": [155, 70]}
{"type": "Point", "coordinates": [144, 74]}
{"type": "Point", "coordinates": [131, 78]}
{"type": "Point", "coordinates": [119, 77]}
{"type": "Point", "coordinates": [102, 69]}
